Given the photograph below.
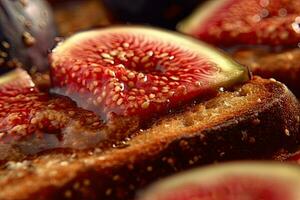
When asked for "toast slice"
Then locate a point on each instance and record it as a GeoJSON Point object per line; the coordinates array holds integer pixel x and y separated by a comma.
{"type": "Point", "coordinates": [283, 66]}
{"type": "Point", "coordinates": [250, 122]}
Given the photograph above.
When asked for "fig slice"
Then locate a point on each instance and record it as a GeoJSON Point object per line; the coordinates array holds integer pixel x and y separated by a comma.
{"type": "Point", "coordinates": [231, 181]}
{"type": "Point", "coordinates": [32, 121]}
{"type": "Point", "coordinates": [138, 71]}
{"type": "Point", "coordinates": [246, 22]}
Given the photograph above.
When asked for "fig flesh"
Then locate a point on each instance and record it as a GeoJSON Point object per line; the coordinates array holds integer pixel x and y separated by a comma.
{"type": "Point", "coordinates": [231, 181]}
{"type": "Point", "coordinates": [246, 22]}
{"type": "Point", "coordinates": [138, 71]}
{"type": "Point", "coordinates": [263, 35]}
{"type": "Point", "coordinates": [32, 121]}
{"type": "Point", "coordinates": [27, 33]}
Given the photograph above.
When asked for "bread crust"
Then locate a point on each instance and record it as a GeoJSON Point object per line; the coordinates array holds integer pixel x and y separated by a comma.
{"type": "Point", "coordinates": [266, 123]}
{"type": "Point", "coordinates": [283, 66]}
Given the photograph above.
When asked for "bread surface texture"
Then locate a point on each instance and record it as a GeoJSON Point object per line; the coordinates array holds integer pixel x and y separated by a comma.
{"type": "Point", "coordinates": [284, 66]}
{"type": "Point", "coordinates": [251, 121]}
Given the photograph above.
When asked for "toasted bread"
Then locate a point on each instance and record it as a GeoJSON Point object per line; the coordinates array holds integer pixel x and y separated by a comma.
{"type": "Point", "coordinates": [283, 66]}
{"type": "Point", "coordinates": [250, 122]}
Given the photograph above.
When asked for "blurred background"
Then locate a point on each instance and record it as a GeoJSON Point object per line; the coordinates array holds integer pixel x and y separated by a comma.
{"type": "Point", "coordinates": [74, 15]}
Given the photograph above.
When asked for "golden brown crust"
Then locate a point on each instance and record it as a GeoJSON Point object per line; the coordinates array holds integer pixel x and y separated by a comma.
{"type": "Point", "coordinates": [283, 66]}
{"type": "Point", "coordinates": [253, 121]}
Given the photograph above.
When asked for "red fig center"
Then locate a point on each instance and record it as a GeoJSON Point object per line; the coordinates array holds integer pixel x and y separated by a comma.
{"type": "Point", "coordinates": [233, 188]}
{"type": "Point", "coordinates": [134, 71]}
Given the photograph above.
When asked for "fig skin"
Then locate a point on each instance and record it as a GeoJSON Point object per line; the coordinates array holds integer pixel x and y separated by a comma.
{"type": "Point", "coordinates": [27, 33]}
{"type": "Point", "coordinates": [230, 181]}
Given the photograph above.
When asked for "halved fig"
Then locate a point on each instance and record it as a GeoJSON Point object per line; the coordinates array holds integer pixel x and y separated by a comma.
{"type": "Point", "coordinates": [32, 121]}
{"type": "Point", "coordinates": [247, 22]}
{"type": "Point", "coordinates": [262, 35]}
{"type": "Point", "coordinates": [138, 71]}
{"type": "Point", "coordinates": [231, 181]}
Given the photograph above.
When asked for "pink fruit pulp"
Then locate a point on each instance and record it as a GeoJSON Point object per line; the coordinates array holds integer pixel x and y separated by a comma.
{"type": "Point", "coordinates": [250, 22]}
{"type": "Point", "coordinates": [232, 188]}
{"type": "Point", "coordinates": [130, 74]}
